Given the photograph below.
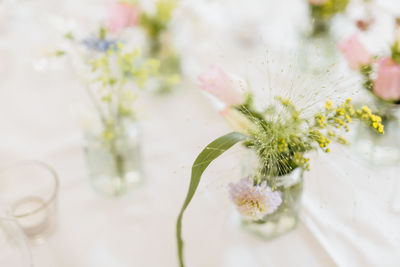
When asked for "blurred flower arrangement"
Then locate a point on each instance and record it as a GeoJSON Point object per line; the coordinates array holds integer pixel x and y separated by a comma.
{"type": "Point", "coordinates": [125, 14]}
{"type": "Point", "coordinates": [386, 69]}
{"type": "Point", "coordinates": [279, 138]}
{"type": "Point", "coordinates": [381, 78]}
{"type": "Point", "coordinates": [114, 155]}
{"type": "Point", "coordinates": [317, 48]}
{"type": "Point", "coordinates": [322, 11]}
{"type": "Point", "coordinates": [114, 75]}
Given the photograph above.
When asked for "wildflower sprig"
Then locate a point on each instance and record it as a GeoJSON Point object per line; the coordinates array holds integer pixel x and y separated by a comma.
{"type": "Point", "coordinates": [280, 135]}
{"type": "Point", "coordinates": [282, 139]}
{"type": "Point", "coordinates": [112, 71]}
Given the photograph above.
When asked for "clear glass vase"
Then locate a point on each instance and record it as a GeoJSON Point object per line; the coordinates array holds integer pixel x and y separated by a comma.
{"type": "Point", "coordinates": [317, 49]}
{"type": "Point", "coordinates": [115, 166]}
{"type": "Point", "coordinates": [378, 149]}
{"type": "Point", "coordinates": [169, 74]}
{"type": "Point", "coordinates": [286, 217]}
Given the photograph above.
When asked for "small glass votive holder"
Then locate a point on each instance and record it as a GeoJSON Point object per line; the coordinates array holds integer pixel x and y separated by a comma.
{"type": "Point", "coordinates": [30, 189]}
{"type": "Point", "coordinates": [14, 246]}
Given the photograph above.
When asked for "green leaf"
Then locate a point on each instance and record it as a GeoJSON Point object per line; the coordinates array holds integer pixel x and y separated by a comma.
{"type": "Point", "coordinates": [211, 152]}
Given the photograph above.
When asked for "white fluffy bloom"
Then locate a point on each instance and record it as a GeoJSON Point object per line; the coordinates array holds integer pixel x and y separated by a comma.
{"type": "Point", "coordinates": [254, 201]}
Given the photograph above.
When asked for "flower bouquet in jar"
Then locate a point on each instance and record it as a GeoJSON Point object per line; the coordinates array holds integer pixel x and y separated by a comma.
{"type": "Point", "coordinates": [113, 74]}
{"type": "Point", "coordinates": [156, 25]}
{"type": "Point", "coordinates": [278, 138]}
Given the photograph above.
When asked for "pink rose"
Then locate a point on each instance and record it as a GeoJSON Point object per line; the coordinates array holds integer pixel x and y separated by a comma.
{"type": "Point", "coordinates": [387, 83]}
{"type": "Point", "coordinates": [355, 52]}
{"type": "Point", "coordinates": [317, 2]}
{"type": "Point", "coordinates": [216, 82]}
{"type": "Point", "coordinates": [121, 15]}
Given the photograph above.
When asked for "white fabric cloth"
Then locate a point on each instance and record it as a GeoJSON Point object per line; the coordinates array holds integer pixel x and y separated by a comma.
{"type": "Point", "coordinates": [347, 216]}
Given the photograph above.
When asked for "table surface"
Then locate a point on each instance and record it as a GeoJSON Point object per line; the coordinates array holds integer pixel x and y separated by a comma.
{"type": "Point", "coordinates": [347, 218]}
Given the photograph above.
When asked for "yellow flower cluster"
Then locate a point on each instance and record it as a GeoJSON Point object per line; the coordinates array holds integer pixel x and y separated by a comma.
{"type": "Point", "coordinates": [320, 120]}
{"type": "Point", "coordinates": [328, 105]}
{"type": "Point", "coordinates": [374, 121]}
{"type": "Point", "coordinates": [300, 160]}
{"type": "Point", "coordinates": [295, 115]}
{"type": "Point", "coordinates": [282, 145]}
{"type": "Point", "coordinates": [111, 71]}
{"type": "Point", "coordinates": [320, 138]}
{"type": "Point", "coordinates": [328, 8]}
{"type": "Point", "coordinates": [338, 118]}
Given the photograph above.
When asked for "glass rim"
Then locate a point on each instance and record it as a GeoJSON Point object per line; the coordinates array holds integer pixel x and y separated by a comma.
{"type": "Point", "coordinates": [53, 195]}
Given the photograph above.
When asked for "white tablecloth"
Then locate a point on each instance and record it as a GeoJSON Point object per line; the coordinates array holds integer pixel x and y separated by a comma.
{"type": "Point", "coordinates": [347, 216]}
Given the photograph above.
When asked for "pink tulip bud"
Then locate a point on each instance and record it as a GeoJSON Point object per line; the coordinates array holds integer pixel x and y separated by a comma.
{"type": "Point", "coordinates": [355, 52]}
{"type": "Point", "coordinates": [216, 82]}
{"type": "Point", "coordinates": [387, 83]}
{"type": "Point", "coordinates": [121, 15]}
{"type": "Point", "coordinates": [238, 121]}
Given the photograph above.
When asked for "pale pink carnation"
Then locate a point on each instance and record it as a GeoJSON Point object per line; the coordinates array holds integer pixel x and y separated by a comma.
{"type": "Point", "coordinates": [317, 2]}
{"type": "Point", "coordinates": [355, 53]}
{"type": "Point", "coordinates": [121, 15]}
{"type": "Point", "coordinates": [216, 82]}
{"type": "Point", "coordinates": [254, 202]}
{"type": "Point", "coordinates": [387, 83]}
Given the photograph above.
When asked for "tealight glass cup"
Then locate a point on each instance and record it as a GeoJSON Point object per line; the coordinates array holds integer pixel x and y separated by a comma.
{"type": "Point", "coordinates": [14, 247]}
{"type": "Point", "coordinates": [30, 189]}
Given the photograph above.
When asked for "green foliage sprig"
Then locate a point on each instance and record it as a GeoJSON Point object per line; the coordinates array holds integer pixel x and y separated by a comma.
{"type": "Point", "coordinates": [282, 140]}
{"type": "Point", "coordinates": [111, 72]}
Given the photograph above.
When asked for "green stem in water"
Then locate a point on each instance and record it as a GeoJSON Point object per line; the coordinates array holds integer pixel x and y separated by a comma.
{"type": "Point", "coordinates": [119, 164]}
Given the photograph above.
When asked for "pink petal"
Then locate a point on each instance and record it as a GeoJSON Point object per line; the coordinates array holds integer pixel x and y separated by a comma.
{"type": "Point", "coordinates": [317, 2]}
{"type": "Point", "coordinates": [354, 52]}
{"type": "Point", "coordinates": [216, 82]}
{"type": "Point", "coordinates": [387, 83]}
{"type": "Point", "coordinates": [121, 15]}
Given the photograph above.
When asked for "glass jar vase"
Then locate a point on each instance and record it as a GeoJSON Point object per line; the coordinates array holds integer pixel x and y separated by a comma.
{"type": "Point", "coordinates": [114, 164]}
{"type": "Point", "coordinates": [380, 149]}
{"type": "Point", "coordinates": [286, 217]}
{"type": "Point", "coordinates": [317, 49]}
{"type": "Point", "coordinates": [169, 72]}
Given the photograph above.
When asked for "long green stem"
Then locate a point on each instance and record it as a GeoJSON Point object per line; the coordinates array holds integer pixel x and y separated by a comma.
{"type": "Point", "coordinates": [96, 105]}
{"type": "Point", "coordinates": [119, 163]}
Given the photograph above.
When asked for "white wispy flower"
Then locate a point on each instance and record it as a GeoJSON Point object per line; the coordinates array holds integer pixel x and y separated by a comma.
{"type": "Point", "coordinates": [254, 201]}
